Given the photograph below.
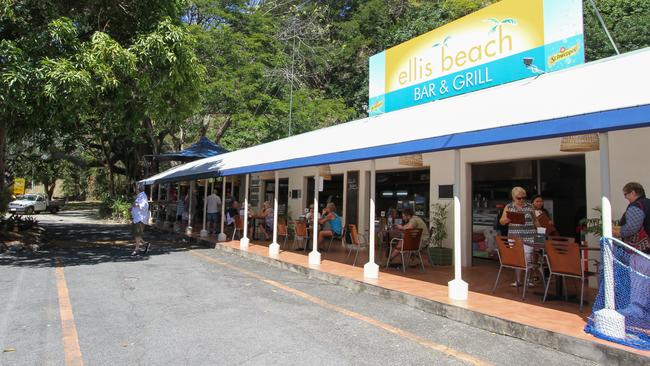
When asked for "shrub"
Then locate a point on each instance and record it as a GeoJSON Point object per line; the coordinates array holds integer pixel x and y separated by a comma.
{"type": "Point", "coordinates": [116, 208]}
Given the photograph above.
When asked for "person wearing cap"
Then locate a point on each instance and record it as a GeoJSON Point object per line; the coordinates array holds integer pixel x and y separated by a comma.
{"type": "Point", "coordinates": [140, 216]}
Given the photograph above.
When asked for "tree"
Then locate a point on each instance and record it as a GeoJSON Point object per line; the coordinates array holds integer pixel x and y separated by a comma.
{"type": "Point", "coordinates": [628, 22]}
{"type": "Point", "coordinates": [113, 78]}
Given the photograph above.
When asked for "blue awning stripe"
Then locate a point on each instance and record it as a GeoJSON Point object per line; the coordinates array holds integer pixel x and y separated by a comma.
{"type": "Point", "coordinates": [618, 119]}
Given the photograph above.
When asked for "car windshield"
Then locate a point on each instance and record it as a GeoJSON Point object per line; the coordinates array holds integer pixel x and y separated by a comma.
{"type": "Point", "coordinates": [28, 197]}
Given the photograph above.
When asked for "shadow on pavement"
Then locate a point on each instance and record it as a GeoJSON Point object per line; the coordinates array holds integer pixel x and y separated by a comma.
{"type": "Point", "coordinates": [89, 244]}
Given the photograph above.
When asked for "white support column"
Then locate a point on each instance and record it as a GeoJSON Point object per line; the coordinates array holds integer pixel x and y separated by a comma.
{"type": "Point", "coordinates": [244, 241]}
{"type": "Point", "coordinates": [344, 211]}
{"type": "Point", "coordinates": [314, 255]}
{"type": "Point", "coordinates": [607, 320]}
{"type": "Point", "coordinates": [605, 184]}
{"type": "Point", "coordinates": [150, 205]}
{"type": "Point", "coordinates": [457, 287]}
{"type": "Point", "coordinates": [168, 224]}
{"type": "Point", "coordinates": [274, 248]}
{"type": "Point", "coordinates": [371, 269]}
{"type": "Point", "coordinates": [190, 217]}
{"type": "Point", "coordinates": [232, 189]}
{"type": "Point", "coordinates": [204, 232]}
{"type": "Point", "coordinates": [222, 234]}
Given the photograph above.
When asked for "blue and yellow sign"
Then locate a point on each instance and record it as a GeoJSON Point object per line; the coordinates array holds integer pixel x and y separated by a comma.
{"type": "Point", "coordinates": [504, 42]}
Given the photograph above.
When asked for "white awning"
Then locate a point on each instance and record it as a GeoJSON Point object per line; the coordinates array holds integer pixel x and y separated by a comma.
{"type": "Point", "coordinates": [609, 94]}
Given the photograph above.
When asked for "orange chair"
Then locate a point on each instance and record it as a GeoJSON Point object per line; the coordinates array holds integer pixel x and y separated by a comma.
{"type": "Point", "coordinates": [301, 233]}
{"type": "Point", "coordinates": [512, 255]}
{"type": "Point", "coordinates": [358, 243]}
{"type": "Point", "coordinates": [239, 227]}
{"type": "Point", "coordinates": [282, 231]}
{"type": "Point", "coordinates": [410, 245]}
{"type": "Point", "coordinates": [564, 259]}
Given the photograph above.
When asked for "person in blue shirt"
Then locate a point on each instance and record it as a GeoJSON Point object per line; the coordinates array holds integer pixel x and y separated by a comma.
{"type": "Point", "coordinates": [331, 223]}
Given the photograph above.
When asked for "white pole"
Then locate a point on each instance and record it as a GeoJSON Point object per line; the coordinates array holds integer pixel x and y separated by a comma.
{"type": "Point", "coordinates": [204, 232]}
{"type": "Point", "coordinates": [457, 287]}
{"type": "Point", "coordinates": [188, 229]}
{"type": "Point", "coordinates": [222, 234]}
{"type": "Point", "coordinates": [314, 255]}
{"type": "Point", "coordinates": [371, 269]}
{"type": "Point", "coordinates": [607, 320]}
{"type": "Point", "coordinates": [243, 243]}
{"type": "Point", "coordinates": [168, 224]}
{"type": "Point", "coordinates": [274, 248]}
{"type": "Point", "coordinates": [605, 184]}
{"type": "Point", "coordinates": [150, 205]}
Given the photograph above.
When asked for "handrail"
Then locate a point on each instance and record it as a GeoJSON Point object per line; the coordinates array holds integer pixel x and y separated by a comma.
{"type": "Point", "coordinates": [626, 246]}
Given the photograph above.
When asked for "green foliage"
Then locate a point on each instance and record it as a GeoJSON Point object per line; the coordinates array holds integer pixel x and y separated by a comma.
{"type": "Point", "coordinates": [116, 208]}
{"type": "Point", "coordinates": [438, 214]}
{"type": "Point", "coordinates": [628, 22]}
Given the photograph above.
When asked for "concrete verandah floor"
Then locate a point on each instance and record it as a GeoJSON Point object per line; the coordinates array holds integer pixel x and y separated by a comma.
{"type": "Point", "coordinates": [506, 303]}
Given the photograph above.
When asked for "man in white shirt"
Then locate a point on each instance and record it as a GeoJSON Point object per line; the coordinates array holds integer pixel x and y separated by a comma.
{"type": "Point", "coordinates": [140, 216]}
{"type": "Point", "coordinates": [214, 212]}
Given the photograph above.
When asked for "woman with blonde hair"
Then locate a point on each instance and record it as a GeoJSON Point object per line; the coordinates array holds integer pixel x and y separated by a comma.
{"type": "Point", "coordinates": [267, 215]}
{"type": "Point", "coordinates": [331, 223]}
{"type": "Point", "coordinates": [525, 230]}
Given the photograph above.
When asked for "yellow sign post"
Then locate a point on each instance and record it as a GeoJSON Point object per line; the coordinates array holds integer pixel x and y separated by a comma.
{"type": "Point", "coordinates": [19, 186]}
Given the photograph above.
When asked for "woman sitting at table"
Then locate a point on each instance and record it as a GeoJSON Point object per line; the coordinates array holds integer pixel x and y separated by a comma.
{"type": "Point", "coordinates": [542, 215]}
{"type": "Point", "coordinates": [331, 223]}
{"type": "Point", "coordinates": [267, 214]}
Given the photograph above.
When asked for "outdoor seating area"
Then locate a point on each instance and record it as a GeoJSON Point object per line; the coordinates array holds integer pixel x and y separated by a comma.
{"type": "Point", "coordinates": [484, 276]}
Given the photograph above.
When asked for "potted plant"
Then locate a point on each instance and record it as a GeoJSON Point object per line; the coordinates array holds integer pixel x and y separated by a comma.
{"type": "Point", "coordinates": [594, 225]}
{"type": "Point", "coordinates": [439, 255]}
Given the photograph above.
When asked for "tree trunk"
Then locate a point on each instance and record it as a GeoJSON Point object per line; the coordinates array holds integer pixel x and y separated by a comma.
{"type": "Point", "coordinates": [49, 188]}
{"type": "Point", "coordinates": [3, 151]}
{"type": "Point", "coordinates": [109, 168]}
{"type": "Point", "coordinates": [222, 130]}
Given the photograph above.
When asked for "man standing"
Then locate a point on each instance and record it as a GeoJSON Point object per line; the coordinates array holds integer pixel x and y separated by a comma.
{"type": "Point", "coordinates": [140, 215]}
{"type": "Point", "coordinates": [214, 210]}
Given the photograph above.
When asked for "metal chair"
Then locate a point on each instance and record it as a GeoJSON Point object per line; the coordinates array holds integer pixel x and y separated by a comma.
{"type": "Point", "coordinates": [565, 259]}
{"type": "Point", "coordinates": [512, 255]}
{"type": "Point", "coordinates": [340, 237]}
{"type": "Point", "coordinates": [410, 245]}
{"type": "Point", "coordinates": [358, 243]}
{"type": "Point", "coordinates": [239, 227]}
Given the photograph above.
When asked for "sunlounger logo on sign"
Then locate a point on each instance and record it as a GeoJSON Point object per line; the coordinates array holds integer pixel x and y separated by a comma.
{"type": "Point", "coordinates": [482, 49]}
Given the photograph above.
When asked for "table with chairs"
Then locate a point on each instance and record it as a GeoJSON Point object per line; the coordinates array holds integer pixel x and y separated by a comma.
{"type": "Point", "coordinates": [558, 256]}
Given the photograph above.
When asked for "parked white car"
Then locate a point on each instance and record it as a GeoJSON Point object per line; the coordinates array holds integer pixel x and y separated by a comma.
{"type": "Point", "coordinates": [32, 203]}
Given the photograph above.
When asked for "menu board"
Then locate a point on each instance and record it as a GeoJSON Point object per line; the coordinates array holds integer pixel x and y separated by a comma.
{"type": "Point", "coordinates": [352, 200]}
